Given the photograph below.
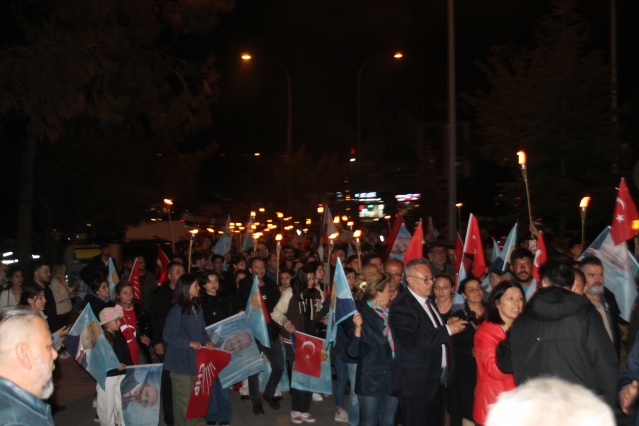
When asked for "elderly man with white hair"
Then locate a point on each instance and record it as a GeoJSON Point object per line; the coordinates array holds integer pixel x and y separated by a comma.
{"type": "Point", "coordinates": [549, 401]}
{"type": "Point", "coordinates": [26, 367]}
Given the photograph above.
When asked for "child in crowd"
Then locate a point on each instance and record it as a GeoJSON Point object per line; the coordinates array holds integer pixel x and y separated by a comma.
{"type": "Point", "coordinates": [109, 400]}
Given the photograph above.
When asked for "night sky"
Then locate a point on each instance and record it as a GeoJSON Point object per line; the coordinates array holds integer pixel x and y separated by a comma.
{"type": "Point", "coordinates": [323, 44]}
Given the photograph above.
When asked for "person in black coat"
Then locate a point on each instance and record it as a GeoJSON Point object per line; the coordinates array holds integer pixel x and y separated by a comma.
{"type": "Point", "coordinates": [98, 294]}
{"type": "Point", "coordinates": [371, 342]}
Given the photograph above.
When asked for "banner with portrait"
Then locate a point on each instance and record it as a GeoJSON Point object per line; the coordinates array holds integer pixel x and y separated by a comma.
{"type": "Point", "coordinates": [234, 335]}
{"type": "Point", "coordinates": [140, 390]}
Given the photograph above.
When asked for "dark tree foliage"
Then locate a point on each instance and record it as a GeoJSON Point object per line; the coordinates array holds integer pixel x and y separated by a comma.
{"type": "Point", "coordinates": [115, 99]}
{"type": "Point", "coordinates": [553, 102]}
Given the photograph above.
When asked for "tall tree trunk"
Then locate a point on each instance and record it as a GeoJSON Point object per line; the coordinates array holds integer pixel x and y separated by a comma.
{"type": "Point", "coordinates": [25, 205]}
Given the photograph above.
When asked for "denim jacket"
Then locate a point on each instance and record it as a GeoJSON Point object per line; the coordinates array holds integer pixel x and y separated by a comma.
{"type": "Point", "coordinates": [19, 407]}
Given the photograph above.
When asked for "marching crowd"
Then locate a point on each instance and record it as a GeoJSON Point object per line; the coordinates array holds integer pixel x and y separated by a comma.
{"type": "Point", "coordinates": [414, 350]}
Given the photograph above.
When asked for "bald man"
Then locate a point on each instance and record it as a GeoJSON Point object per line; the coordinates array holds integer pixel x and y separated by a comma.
{"type": "Point", "coordinates": [26, 367]}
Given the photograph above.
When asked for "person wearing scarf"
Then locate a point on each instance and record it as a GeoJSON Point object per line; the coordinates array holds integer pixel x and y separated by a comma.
{"type": "Point", "coordinates": [371, 342]}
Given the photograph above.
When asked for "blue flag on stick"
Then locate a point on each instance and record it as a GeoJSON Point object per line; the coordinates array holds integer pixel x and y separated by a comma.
{"type": "Point", "coordinates": [342, 303]}
{"type": "Point", "coordinates": [257, 315]}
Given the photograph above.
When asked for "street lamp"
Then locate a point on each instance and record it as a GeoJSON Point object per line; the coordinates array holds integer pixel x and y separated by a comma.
{"type": "Point", "coordinates": [289, 125]}
{"type": "Point", "coordinates": [358, 112]}
{"type": "Point", "coordinates": [169, 203]}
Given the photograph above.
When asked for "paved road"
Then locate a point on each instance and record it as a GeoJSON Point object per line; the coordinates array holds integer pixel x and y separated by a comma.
{"type": "Point", "coordinates": [75, 389]}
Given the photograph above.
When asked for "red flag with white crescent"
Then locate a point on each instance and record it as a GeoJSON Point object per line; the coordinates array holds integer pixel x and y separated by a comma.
{"type": "Point", "coordinates": [161, 264]}
{"type": "Point", "coordinates": [624, 216]}
{"type": "Point", "coordinates": [474, 246]}
{"type": "Point", "coordinates": [308, 354]}
{"type": "Point", "coordinates": [415, 247]}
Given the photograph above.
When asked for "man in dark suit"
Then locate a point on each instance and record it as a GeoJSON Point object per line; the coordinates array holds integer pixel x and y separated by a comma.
{"type": "Point", "coordinates": [422, 348]}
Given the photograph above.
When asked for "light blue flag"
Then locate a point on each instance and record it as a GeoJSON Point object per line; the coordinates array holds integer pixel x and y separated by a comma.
{"type": "Point", "coordinates": [256, 315]}
{"type": "Point", "coordinates": [620, 268]}
{"type": "Point", "coordinates": [87, 344]}
{"type": "Point", "coordinates": [247, 242]}
{"type": "Point", "coordinates": [496, 251]}
{"type": "Point", "coordinates": [112, 278]}
{"type": "Point", "coordinates": [322, 384]}
{"type": "Point", "coordinates": [342, 304]}
{"type": "Point", "coordinates": [503, 260]}
{"type": "Point", "coordinates": [141, 380]}
{"type": "Point", "coordinates": [284, 384]}
{"type": "Point", "coordinates": [461, 276]}
{"type": "Point", "coordinates": [223, 245]}
{"type": "Point", "coordinates": [234, 335]}
{"type": "Point", "coordinates": [401, 243]}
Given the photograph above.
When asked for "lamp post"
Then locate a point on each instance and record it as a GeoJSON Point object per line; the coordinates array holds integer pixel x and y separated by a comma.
{"type": "Point", "coordinates": [169, 202]}
{"type": "Point", "coordinates": [358, 112]}
{"type": "Point", "coordinates": [452, 123]}
{"type": "Point", "coordinates": [289, 125]}
{"type": "Point", "coordinates": [583, 205]}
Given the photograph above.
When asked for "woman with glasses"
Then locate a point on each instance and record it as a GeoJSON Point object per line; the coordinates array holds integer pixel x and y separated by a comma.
{"type": "Point", "coordinates": [459, 396]}
{"type": "Point", "coordinates": [505, 303]}
{"type": "Point", "coordinates": [372, 344]}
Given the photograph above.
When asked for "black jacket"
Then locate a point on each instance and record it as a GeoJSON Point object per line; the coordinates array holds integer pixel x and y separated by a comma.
{"type": "Point", "coordinates": [373, 353]}
{"type": "Point", "coordinates": [158, 310]}
{"type": "Point", "coordinates": [215, 308]}
{"type": "Point", "coordinates": [270, 294]}
{"type": "Point", "coordinates": [561, 334]}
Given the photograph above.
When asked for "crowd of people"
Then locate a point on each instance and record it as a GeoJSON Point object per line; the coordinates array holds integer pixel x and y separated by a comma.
{"type": "Point", "coordinates": [412, 353]}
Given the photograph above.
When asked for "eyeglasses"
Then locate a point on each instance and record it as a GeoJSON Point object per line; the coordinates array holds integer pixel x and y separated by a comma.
{"type": "Point", "coordinates": [430, 279]}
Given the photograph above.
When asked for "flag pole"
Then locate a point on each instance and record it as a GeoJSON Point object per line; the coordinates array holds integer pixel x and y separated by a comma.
{"type": "Point", "coordinates": [522, 162]}
{"type": "Point", "coordinates": [193, 232]}
{"type": "Point", "coordinates": [358, 247]}
{"type": "Point", "coordinates": [278, 250]}
{"type": "Point", "coordinates": [584, 206]}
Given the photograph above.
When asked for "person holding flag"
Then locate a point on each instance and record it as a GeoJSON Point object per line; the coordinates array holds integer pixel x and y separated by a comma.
{"type": "Point", "coordinates": [184, 334]}
{"type": "Point", "coordinates": [371, 342]}
{"type": "Point", "coordinates": [297, 310]}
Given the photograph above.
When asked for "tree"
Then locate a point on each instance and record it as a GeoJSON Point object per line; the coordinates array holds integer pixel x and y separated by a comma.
{"type": "Point", "coordinates": [552, 101]}
{"type": "Point", "coordinates": [120, 75]}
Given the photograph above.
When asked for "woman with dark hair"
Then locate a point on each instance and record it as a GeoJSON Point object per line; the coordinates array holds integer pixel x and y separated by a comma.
{"type": "Point", "coordinates": [33, 296]}
{"type": "Point", "coordinates": [459, 396]}
{"type": "Point", "coordinates": [184, 334]}
{"type": "Point", "coordinates": [505, 303]}
{"type": "Point", "coordinates": [98, 294]}
{"type": "Point", "coordinates": [134, 324]}
{"type": "Point", "coordinates": [297, 311]}
{"type": "Point", "coordinates": [444, 294]}
{"type": "Point", "coordinates": [216, 307]}
{"type": "Point", "coordinates": [11, 295]}
{"type": "Point", "coordinates": [372, 344]}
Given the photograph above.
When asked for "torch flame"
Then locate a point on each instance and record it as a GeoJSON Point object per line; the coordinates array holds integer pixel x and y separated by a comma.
{"type": "Point", "coordinates": [522, 157]}
{"type": "Point", "coordinates": [584, 202]}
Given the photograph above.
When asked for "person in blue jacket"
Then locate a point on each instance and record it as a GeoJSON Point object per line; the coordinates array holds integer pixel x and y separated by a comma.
{"type": "Point", "coordinates": [184, 333]}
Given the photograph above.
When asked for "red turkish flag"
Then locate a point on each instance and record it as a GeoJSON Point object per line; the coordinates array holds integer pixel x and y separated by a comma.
{"type": "Point", "coordinates": [415, 247]}
{"type": "Point", "coordinates": [474, 246]}
{"type": "Point", "coordinates": [625, 213]}
{"type": "Point", "coordinates": [392, 235]}
{"type": "Point", "coordinates": [134, 279]}
{"type": "Point", "coordinates": [540, 258]}
{"type": "Point", "coordinates": [208, 364]}
{"type": "Point", "coordinates": [161, 264]}
{"type": "Point", "coordinates": [308, 354]}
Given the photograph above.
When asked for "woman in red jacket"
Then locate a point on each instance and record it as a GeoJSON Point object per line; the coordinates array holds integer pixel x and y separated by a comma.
{"type": "Point", "coordinates": [505, 303]}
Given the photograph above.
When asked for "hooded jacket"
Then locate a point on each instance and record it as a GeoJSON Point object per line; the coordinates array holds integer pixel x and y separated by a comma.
{"type": "Point", "coordinates": [561, 334]}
